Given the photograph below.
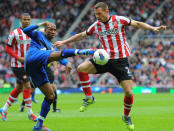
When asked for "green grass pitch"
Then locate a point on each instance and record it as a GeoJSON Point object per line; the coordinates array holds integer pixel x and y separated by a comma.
{"type": "Point", "coordinates": [150, 113]}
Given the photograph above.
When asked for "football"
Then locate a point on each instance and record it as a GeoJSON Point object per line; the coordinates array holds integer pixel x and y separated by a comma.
{"type": "Point", "coordinates": [101, 57]}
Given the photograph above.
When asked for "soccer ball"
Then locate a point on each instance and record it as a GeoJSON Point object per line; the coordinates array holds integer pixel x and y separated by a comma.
{"type": "Point", "coordinates": [100, 57]}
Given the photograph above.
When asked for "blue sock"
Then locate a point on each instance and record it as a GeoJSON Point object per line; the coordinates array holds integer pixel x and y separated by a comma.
{"type": "Point", "coordinates": [68, 53]}
{"type": "Point", "coordinates": [73, 52]}
{"type": "Point", "coordinates": [39, 123]}
{"type": "Point", "coordinates": [32, 96]}
{"type": "Point", "coordinates": [45, 108]}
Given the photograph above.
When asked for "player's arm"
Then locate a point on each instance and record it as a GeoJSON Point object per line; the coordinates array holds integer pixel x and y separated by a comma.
{"type": "Point", "coordinates": [8, 48]}
{"type": "Point", "coordinates": [30, 29]}
{"type": "Point", "coordinates": [75, 38]}
{"type": "Point", "coordinates": [145, 26]}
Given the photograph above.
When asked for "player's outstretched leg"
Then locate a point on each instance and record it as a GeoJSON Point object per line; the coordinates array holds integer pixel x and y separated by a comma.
{"type": "Point", "coordinates": [85, 84]}
{"type": "Point", "coordinates": [55, 56]}
{"type": "Point", "coordinates": [73, 52]}
{"type": "Point", "coordinates": [12, 98]}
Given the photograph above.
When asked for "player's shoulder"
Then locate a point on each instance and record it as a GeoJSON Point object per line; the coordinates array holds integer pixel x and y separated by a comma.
{"type": "Point", "coordinates": [94, 23]}
{"type": "Point", "coordinates": [122, 17]}
{"type": "Point", "coordinates": [16, 31]}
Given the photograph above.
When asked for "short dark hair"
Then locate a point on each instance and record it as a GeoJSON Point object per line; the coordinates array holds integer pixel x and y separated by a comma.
{"type": "Point", "coordinates": [24, 14]}
{"type": "Point", "coordinates": [102, 5]}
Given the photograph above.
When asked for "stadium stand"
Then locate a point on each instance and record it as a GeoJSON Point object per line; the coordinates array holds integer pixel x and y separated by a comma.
{"type": "Point", "coordinates": [62, 11]}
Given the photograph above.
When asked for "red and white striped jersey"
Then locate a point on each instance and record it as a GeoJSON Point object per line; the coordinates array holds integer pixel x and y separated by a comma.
{"type": "Point", "coordinates": [19, 42]}
{"type": "Point", "coordinates": [112, 36]}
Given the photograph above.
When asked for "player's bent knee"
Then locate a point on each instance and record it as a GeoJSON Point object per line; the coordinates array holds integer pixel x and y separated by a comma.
{"type": "Point", "coordinates": [128, 93]}
{"type": "Point", "coordinates": [50, 96]}
{"type": "Point", "coordinates": [80, 68]}
{"type": "Point", "coordinates": [50, 101]}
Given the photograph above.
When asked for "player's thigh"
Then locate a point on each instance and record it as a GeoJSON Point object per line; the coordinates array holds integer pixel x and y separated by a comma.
{"type": "Point", "coordinates": [47, 90]}
{"type": "Point", "coordinates": [120, 69]}
{"type": "Point", "coordinates": [19, 87]}
{"type": "Point", "coordinates": [54, 56]}
{"type": "Point", "coordinates": [21, 75]}
{"type": "Point", "coordinates": [87, 67]}
{"type": "Point", "coordinates": [26, 85]}
{"type": "Point", "coordinates": [53, 86]}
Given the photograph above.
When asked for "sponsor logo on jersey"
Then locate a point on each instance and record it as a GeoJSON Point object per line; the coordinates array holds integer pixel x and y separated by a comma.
{"type": "Point", "coordinates": [109, 32]}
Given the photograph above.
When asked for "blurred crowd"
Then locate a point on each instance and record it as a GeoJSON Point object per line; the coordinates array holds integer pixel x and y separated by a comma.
{"type": "Point", "coordinates": [162, 17]}
{"type": "Point", "coordinates": [151, 63]}
{"type": "Point", "coordinates": [64, 12]}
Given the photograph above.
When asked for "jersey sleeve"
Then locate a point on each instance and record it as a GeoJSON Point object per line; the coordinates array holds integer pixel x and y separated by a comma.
{"type": "Point", "coordinates": [30, 31]}
{"type": "Point", "coordinates": [9, 50]}
{"type": "Point", "coordinates": [124, 21]}
{"type": "Point", "coordinates": [11, 39]}
{"type": "Point", "coordinates": [91, 30]}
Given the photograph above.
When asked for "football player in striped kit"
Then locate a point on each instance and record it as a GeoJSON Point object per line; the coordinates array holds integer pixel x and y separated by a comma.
{"type": "Point", "coordinates": [17, 45]}
{"type": "Point", "coordinates": [111, 32]}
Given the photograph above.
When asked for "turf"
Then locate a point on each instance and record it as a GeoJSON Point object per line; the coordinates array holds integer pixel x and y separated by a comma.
{"type": "Point", "coordinates": [150, 113]}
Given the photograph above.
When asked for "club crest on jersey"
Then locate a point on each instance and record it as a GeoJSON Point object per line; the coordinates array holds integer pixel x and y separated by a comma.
{"type": "Point", "coordinates": [115, 23]}
{"type": "Point", "coordinates": [108, 32]}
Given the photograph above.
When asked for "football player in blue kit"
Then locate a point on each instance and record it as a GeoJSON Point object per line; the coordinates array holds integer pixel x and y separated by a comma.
{"type": "Point", "coordinates": [37, 58]}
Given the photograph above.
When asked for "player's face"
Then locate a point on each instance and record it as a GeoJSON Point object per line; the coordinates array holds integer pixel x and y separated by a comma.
{"type": "Point", "coordinates": [50, 31]}
{"type": "Point", "coordinates": [101, 15]}
{"type": "Point", "coordinates": [25, 21]}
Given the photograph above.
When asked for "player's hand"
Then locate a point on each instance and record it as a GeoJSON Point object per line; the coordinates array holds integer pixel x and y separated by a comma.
{"type": "Point", "coordinates": [21, 59]}
{"type": "Point", "coordinates": [157, 29]}
{"type": "Point", "coordinates": [68, 68]}
{"type": "Point", "coordinates": [44, 24]}
{"type": "Point", "coordinates": [59, 43]}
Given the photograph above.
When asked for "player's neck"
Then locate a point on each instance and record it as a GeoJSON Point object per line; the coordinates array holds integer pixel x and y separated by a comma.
{"type": "Point", "coordinates": [22, 27]}
{"type": "Point", "coordinates": [107, 19]}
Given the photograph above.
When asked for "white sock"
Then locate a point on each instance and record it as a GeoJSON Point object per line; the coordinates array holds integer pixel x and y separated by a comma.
{"type": "Point", "coordinates": [41, 117]}
{"type": "Point", "coordinates": [88, 97]}
{"type": "Point", "coordinates": [29, 110]}
{"type": "Point", "coordinates": [5, 108]}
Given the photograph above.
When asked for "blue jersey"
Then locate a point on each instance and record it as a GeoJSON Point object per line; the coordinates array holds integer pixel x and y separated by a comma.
{"type": "Point", "coordinates": [39, 41]}
{"type": "Point", "coordinates": [36, 59]}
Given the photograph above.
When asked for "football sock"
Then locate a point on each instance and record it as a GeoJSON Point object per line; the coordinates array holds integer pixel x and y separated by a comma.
{"type": "Point", "coordinates": [128, 101]}
{"type": "Point", "coordinates": [39, 122]}
{"type": "Point", "coordinates": [12, 98]}
{"type": "Point", "coordinates": [27, 100]}
{"type": "Point", "coordinates": [55, 101]}
{"type": "Point", "coordinates": [73, 52]}
{"type": "Point", "coordinates": [85, 84]}
{"type": "Point", "coordinates": [45, 108]}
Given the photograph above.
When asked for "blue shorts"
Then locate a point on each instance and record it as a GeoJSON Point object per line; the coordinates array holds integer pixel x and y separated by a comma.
{"type": "Point", "coordinates": [36, 62]}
